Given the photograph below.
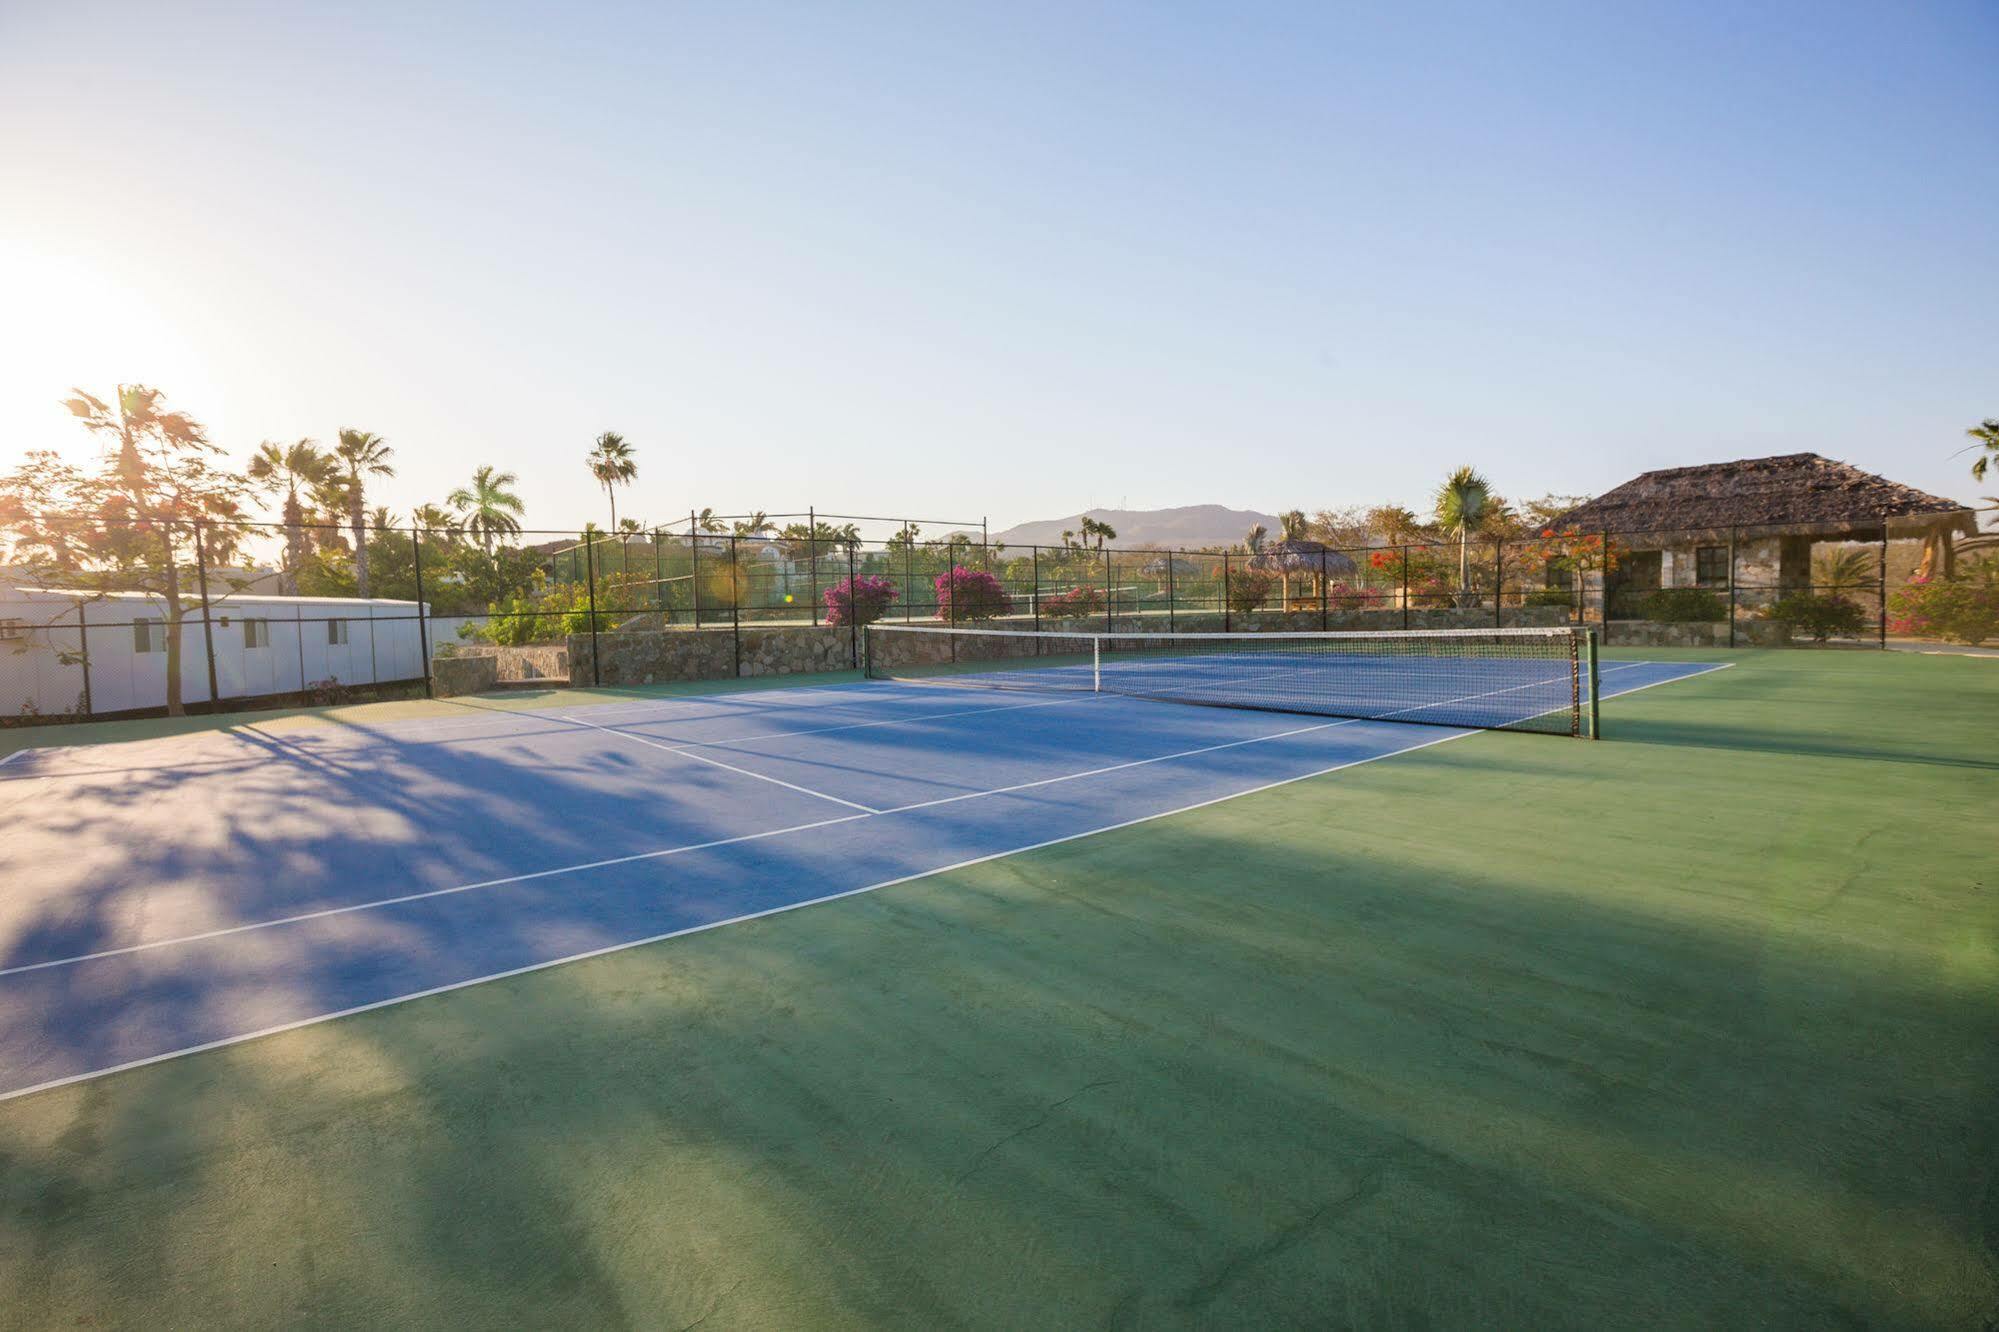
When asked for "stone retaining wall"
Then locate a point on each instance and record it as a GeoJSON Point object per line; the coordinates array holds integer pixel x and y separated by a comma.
{"type": "Point", "coordinates": [653, 657]}
{"type": "Point", "coordinates": [472, 673]}
{"type": "Point", "coordinates": [515, 665]}
{"type": "Point", "coordinates": [1704, 633]}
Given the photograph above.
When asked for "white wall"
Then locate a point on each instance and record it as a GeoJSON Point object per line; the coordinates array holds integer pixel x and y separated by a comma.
{"type": "Point", "coordinates": [383, 646]}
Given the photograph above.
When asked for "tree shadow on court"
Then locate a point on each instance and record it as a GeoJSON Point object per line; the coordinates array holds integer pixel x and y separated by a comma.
{"type": "Point", "coordinates": [1378, 1051]}
{"type": "Point", "coordinates": [1787, 740]}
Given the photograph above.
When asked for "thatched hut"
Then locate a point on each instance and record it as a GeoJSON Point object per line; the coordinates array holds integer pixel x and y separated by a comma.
{"type": "Point", "coordinates": [1317, 561]}
{"type": "Point", "coordinates": [1753, 522]}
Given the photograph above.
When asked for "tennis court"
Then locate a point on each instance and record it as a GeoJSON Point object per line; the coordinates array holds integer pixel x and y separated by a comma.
{"type": "Point", "coordinates": [1689, 1027]}
{"type": "Point", "coordinates": [180, 894]}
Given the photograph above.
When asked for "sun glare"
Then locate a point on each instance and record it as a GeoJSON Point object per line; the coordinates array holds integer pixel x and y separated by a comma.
{"type": "Point", "coordinates": [72, 325]}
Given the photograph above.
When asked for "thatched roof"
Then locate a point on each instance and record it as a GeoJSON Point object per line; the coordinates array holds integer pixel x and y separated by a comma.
{"type": "Point", "coordinates": [1300, 556]}
{"type": "Point", "coordinates": [1797, 493]}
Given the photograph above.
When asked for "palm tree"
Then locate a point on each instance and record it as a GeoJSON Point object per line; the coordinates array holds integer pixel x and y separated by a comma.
{"type": "Point", "coordinates": [488, 507]}
{"type": "Point", "coordinates": [436, 520]}
{"type": "Point", "coordinates": [285, 469]}
{"type": "Point", "coordinates": [363, 454]}
{"type": "Point", "coordinates": [1253, 540]}
{"type": "Point", "coordinates": [1460, 504]}
{"type": "Point", "coordinates": [755, 525]}
{"type": "Point", "coordinates": [706, 521]}
{"type": "Point", "coordinates": [1293, 523]}
{"type": "Point", "coordinates": [1843, 568]}
{"type": "Point", "coordinates": [1986, 435]}
{"type": "Point", "coordinates": [1101, 531]}
{"type": "Point", "coordinates": [613, 463]}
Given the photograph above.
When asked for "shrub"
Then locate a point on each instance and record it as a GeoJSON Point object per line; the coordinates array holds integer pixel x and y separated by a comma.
{"type": "Point", "coordinates": [861, 600]}
{"type": "Point", "coordinates": [1249, 590]}
{"type": "Point", "coordinates": [970, 595]}
{"type": "Point", "coordinates": [1551, 596]}
{"type": "Point", "coordinates": [1075, 604]}
{"type": "Point", "coordinates": [1960, 610]}
{"type": "Point", "coordinates": [1346, 596]}
{"type": "Point", "coordinates": [1819, 616]}
{"type": "Point", "coordinates": [1681, 605]}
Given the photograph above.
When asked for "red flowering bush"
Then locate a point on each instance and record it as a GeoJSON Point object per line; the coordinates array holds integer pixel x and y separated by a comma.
{"type": "Point", "coordinates": [970, 594]}
{"type": "Point", "coordinates": [1349, 597]}
{"type": "Point", "coordinates": [1957, 610]}
{"type": "Point", "coordinates": [860, 600]}
{"type": "Point", "coordinates": [1075, 604]}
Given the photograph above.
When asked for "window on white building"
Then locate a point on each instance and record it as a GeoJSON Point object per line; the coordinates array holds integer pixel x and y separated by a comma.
{"type": "Point", "coordinates": [148, 634]}
{"type": "Point", "coordinates": [12, 631]}
{"type": "Point", "coordinates": [256, 633]}
{"type": "Point", "coordinates": [336, 633]}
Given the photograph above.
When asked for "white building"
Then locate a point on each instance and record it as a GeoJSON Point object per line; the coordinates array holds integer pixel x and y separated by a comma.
{"type": "Point", "coordinates": [83, 652]}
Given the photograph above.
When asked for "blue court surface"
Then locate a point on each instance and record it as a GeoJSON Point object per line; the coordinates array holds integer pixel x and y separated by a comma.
{"type": "Point", "coordinates": [171, 895]}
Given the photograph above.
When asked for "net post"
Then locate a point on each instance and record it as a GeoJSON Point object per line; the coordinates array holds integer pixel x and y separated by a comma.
{"type": "Point", "coordinates": [1498, 575]}
{"type": "Point", "coordinates": [422, 625]}
{"type": "Point", "coordinates": [590, 568]}
{"type": "Point", "coordinates": [207, 621]}
{"type": "Point", "coordinates": [1096, 664]}
{"type": "Point", "coordinates": [1595, 695]}
{"type": "Point", "coordinates": [1172, 619]}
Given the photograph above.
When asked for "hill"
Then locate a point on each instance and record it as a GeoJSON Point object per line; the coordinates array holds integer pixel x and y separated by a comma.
{"type": "Point", "coordinates": [1188, 527]}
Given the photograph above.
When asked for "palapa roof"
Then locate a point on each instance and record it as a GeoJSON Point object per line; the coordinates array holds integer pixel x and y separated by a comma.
{"type": "Point", "coordinates": [1301, 556]}
{"type": "Point", "coordinates": [1797, 493]}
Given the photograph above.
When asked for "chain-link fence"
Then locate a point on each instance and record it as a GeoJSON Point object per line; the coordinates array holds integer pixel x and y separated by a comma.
{"type": "Point", "coordinates": [105, 619]}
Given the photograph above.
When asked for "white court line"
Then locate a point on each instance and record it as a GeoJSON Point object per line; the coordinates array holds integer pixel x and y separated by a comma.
{"type": "Point", "coordinates": [620, 947]}
{"type": "Point", "coordinates": [774, 832]}
{"type": "Point", "coordinates": [703, 758]}
{"type": "Point", "coordinates": [11, 757]}
{"type": "Point", "coordinates": [422, 896]}
{"type": "Point", "coordinates": [862, 726]}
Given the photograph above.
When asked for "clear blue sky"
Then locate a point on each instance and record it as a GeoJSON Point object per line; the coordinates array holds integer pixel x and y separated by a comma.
{"type": "Point", "coordinates": [1012, 259]}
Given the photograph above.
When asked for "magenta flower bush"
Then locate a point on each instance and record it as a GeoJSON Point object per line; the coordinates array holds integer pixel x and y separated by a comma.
{"type": "Point", "coordinates": [970, 594]}
{"type": "Point", "coordinates": [860, 600]}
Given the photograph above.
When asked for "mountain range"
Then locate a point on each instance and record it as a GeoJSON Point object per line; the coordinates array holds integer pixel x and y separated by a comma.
{"type": "Point", "coordinates": [1188, 527]}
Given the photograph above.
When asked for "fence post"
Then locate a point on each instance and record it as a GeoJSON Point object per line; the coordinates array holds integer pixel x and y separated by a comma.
{"type": "Point", "coordinates": [1883, 593]}
{"type": "Point", "coordinates": [658, 578]}
{"type": "Point", "coordinates": [207, 622]}
{"type": "Point", "coordinates": [1172, 619]}
{"type": "Point", "coordinates": [694, 590]}
{"type": "Point", "coordinates": [812, 556]}
{"type": "Point", "coordinates": [1405, 587]}
{"type": "Point", "coordinates": [422, 624]}
{"type": "Point", "coordinates": [1323, 622]}
{"type": "Point", "coordinates": [590, 571]}
{"type": "Point", "coordinates": [909, 574]}
{"type": "Point", "coordinates": [1604, 590]}
{"type": "Point", "coordinates": [1731, 587]}
{"type": "Point", "coordinates": [1498, 577]}
{"type": "Point", "coordinates": [1110, 589]}
{"type": "Point", "coordinates": [1034, 595]}
{"type": "Point", "coordinates": [1227, 624]}
{"type": "Point", "coordinates": [853, 620]}
{"type": "Point", "coordinates": [735, 605]}
{"type": "Point", "coordinates": [83, 651]}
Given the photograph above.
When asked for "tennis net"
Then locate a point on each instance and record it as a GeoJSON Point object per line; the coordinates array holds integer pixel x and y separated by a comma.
{"type": "Point", "coordinates": [1501, 679]}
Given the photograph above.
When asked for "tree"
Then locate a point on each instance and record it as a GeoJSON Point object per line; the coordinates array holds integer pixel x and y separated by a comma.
{"type": "Point", "coordinates": [1985, 437]}
{"type": "Point", "coordinates": [1398, 526]}
{"type": "Point", "coordinates": [1843, 568]}
{"type": "Point", "coordinates": [1253, 540]}
{"type": "Point", "coordinates": [289, 469]}
{"type": "Point", "coordinates": [614, 463]}
{"type": "Point", "coordinates": [706, 521]}
{"type": "Point", "coordinates": [1101, 531]}
{"type": "Point", "coordinates": [1292, 523]}
{"type": "Point", "coordinates": [362, 454]}
{"type": "Point", "coordinates": [136, 521]}
{"type": "Point", "coordinates": [1460, 503]}
{"type": "Point", "coordinates": [754, 525]}
{"type": "Point", "coordinates": [488, 507]}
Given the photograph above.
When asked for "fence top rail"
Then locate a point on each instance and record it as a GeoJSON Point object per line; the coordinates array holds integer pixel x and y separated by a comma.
{"type": "Point", "coordinates": [1530, 634]}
